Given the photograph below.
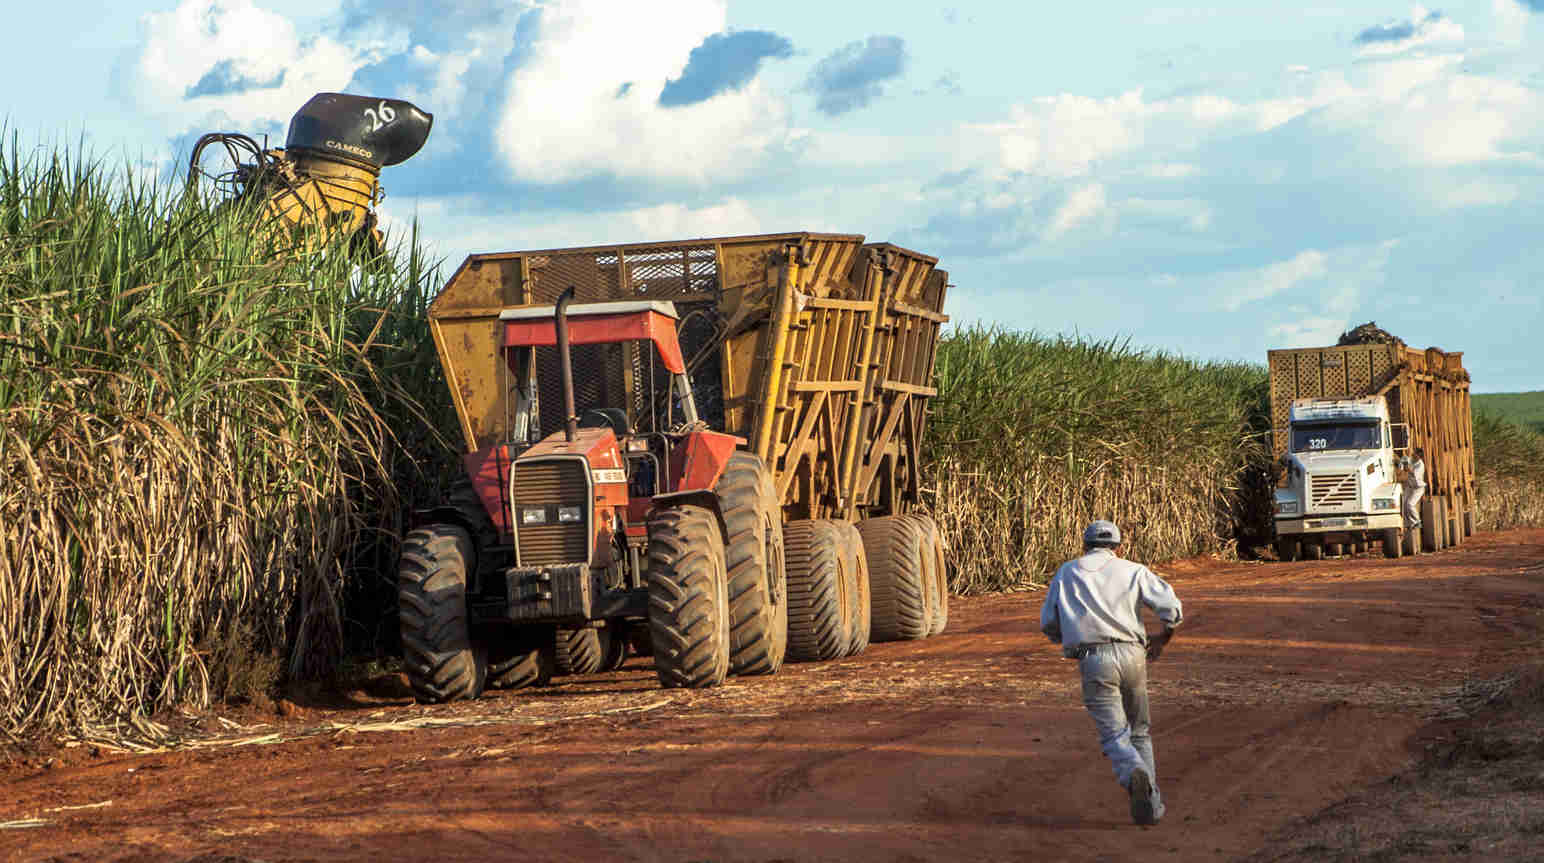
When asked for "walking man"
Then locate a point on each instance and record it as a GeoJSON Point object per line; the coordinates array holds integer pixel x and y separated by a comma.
{"type": "Point", "coordinates": [1093, 609]}
{"type": "Point", "coordinates": [1415, 486]}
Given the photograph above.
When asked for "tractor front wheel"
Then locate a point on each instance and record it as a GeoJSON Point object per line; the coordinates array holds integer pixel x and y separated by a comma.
{"type": "Point", "coordinates": [688, 598]}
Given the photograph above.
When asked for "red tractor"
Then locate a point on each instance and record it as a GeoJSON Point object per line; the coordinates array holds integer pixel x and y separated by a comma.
{"type": "Point", "coordinates": [567, 550]}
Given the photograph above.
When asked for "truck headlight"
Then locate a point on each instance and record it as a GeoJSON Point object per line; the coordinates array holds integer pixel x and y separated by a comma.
{"type": "Point", "coordinates": [533, 516]}
{"type": "Point", "coordinates": [1382, 503]}
{"type": "Point", "coordinates": [1286, 507]}
{"type": "Point", "coordinates": [568, 514]}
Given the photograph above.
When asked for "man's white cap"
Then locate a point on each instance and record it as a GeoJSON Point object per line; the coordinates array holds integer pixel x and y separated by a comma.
{"type": "Point", "coordinates": [1101, 532]}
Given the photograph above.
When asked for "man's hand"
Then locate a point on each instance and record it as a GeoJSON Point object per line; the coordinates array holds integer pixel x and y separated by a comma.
{"type": "Point", "coordinates": [1156, 644]}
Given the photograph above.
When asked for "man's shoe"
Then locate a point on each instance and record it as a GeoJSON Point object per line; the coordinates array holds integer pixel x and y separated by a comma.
{"type": "Point", "coordinates": [1141, 789]}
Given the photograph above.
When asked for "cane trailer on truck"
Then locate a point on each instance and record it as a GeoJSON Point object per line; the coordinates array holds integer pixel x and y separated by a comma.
{"type": "Point", "coordinates": [707, 451]}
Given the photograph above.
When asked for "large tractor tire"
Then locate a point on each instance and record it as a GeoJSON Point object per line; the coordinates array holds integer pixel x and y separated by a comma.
{"type": "Point", "coordinates": [818, 608]}
{"type": "Point", "coordinates": [520, 664]}
{"type": "Point", "coordinates": [859, 600]}
{"type": "Point", "coordinates": [580, 651]}
{"type": "Point", "coordinates": [442, 663]}
{"type": "Point", "coordinates": [688, 598]}
{"type": "Point", "coordinates": [894, 546]}
{"type": "Point", "coordinates": [753, 555]}
{"type": "Point", "coordinates": [937, 568]}
{"type": "Point", "coordinates": [1392, 547]}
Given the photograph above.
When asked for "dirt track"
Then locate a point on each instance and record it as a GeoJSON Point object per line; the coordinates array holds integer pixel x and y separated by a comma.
{"type": "Point", "coordinates": [1290, 687]}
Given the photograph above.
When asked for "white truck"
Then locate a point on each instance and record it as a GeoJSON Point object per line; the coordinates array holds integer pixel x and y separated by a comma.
{"type": "Point", "coordinates": [1343, 418]}
{"type": "Point", "coordinates": [1341, 486]}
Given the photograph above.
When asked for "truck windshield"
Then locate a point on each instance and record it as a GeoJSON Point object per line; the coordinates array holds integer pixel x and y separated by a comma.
{"type": "Point", "coordinates": [1317, 437]}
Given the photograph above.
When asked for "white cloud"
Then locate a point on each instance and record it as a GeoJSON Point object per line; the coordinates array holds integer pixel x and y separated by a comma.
{"type": "Point", "coordinates": [1307, 333]}
{"type": "Point", "coordinates": [1273, 279]}
{"type": "Point", "coordinates": [1080, 207]}
{"type": "Point", "coordinates": [253, 67]}
{"type": "Point", "coordinates": [584, 102]}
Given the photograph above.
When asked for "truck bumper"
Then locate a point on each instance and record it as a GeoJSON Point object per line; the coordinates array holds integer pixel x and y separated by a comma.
{"type": "Point", "coordinates": [1349, 523]}
{"type": "Point", "coordinates": [566, 593]}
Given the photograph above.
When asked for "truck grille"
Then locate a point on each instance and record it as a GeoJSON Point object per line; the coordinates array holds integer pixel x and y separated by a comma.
{"type": "Point", "coordinates": [551, 484]}
{"type": "Point", "coordinates": [1333, 490]}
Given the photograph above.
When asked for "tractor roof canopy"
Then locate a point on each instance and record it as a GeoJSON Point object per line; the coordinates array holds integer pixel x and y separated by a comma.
{"type": "Point", "coordinates": [599, 323]}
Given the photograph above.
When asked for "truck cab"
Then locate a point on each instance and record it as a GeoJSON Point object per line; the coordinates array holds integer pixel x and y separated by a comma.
{"type": "Point", "coordinates": [1340, 475]}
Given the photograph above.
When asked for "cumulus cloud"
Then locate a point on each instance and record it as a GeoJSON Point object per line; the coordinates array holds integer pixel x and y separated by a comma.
{"type": "Point", "coordinates": [1422, 28]}
{"type": "Point", "coordinates": [566, 114]}
{"type": "Point", "coordinates": [853, 76]}
{"type": "Point", "coordinates": [233, 60]}
{"type": "Point", "coordinates": [723, 62]}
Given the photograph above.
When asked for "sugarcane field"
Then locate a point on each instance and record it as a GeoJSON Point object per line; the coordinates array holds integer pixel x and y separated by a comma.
{"type": "Point", "coordinates": [729, 444]}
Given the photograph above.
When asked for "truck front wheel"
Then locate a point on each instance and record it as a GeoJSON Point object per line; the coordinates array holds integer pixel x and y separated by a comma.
{"type": "Point", "coordinates": [1287, 548]}
{"type": "Point", "coordinates": [688, 598]}
{"type": "Point", "coordinates": [1391, 546]}
{"type": "Point", "coordinates": [442, 663]}
{"type": "Point", "coordinates": [1313, 549]}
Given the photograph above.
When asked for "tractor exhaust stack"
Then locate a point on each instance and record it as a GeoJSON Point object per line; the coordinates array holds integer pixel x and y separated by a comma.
{"type": "Point", "coordinates": [570, 421]}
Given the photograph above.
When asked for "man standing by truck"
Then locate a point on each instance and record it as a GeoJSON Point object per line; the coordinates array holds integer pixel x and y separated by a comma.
{"type": "Point", "coordinates": [1093, 609]}
{"type": "Point", "coordinates": [1415, 487]}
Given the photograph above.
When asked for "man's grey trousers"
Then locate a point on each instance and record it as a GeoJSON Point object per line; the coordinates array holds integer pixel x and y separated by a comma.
{"type": "Point", "coordinates": [1115, 693]}
{"type": "Point", "coordinates": [1413, 505]}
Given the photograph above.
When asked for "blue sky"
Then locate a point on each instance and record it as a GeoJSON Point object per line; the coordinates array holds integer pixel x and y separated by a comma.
{"type": "Point", "coordinates": [1211, 181]}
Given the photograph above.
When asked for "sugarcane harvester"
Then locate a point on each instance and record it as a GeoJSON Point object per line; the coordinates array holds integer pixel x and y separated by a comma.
{"type": "Point", "coordinates": [325, 181]}
{"type": "Point", "coordinates": [705, 451]}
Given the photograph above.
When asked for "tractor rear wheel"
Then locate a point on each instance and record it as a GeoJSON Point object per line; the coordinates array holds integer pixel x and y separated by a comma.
{"type": "Point", "coordinates": [581, 650]}
{"type": "Point", "coordinates": [818, 580]}
{"type": "Point", "coordinates": [753, 554]}
{"type": "Point", "coordinates": [937, 570]}
{"type": "Point", "coordinates": [894, 547]}
{"type": "Point", "coordinates": [688, 598]}
{"type": "Point", "coordinates": [442, 663]}
{"type": "Point", "coordinates": [860, 613]}
{"type": "Point", "coordinates": [1391, 543]}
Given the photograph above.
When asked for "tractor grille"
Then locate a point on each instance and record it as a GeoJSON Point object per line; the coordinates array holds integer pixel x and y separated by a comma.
{"type": "Point", "coordinates": [549, 485]}
{"type": "Point", "coordinates": [1333, 490]}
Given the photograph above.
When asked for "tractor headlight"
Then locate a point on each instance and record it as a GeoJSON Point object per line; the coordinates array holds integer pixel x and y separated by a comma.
{"type": "Point", "coordinates": [1382, 503]}
{"type": "Point", "coordinates": [568, 514]}
{"type": "Point", "coordinates": [1286, 507]}
{"type": "Point", "coordinates": [533, 516]}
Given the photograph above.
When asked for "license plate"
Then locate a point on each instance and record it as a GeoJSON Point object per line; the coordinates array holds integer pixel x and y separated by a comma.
{"type": "Point", "coordinates": [1333, 522]}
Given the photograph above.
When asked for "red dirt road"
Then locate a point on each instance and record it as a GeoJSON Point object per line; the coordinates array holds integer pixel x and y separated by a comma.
{"type": "Point", "coordinates": [1290, 686]}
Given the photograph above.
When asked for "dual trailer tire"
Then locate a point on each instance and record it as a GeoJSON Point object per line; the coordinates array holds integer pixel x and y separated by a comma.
{"type": "Point", "coordinates": [907, 575]}
{"type": "Point", "coordinates": [821, 584]}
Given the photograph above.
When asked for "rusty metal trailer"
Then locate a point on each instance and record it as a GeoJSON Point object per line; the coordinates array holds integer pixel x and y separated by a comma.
{"type": "Point", "coordinates": [818, 349]}
{"type": "Point", "coordinates": [1426, 391]}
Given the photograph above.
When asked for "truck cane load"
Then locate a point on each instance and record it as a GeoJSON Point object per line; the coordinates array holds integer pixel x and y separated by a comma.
{"type": "Point", "coordinates": [708, 451]}
{"type": "Point", "coordinates": [1345, 418]}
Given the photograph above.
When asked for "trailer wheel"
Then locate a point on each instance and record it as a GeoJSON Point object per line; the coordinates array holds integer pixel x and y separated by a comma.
{"type": "Point", "coordinates": [860, 615]}
{"type": "Point", "coordinates": [517, 665]}
{"type": "Point", "coordinates": [1429, 524]}
{"type": "Point", "coordinates": [894, 547]}
{"type": "Point", "coordinates": [688, 598]}
{"type": "Point", "coordinates": [581, 650]}
{"type": "Point", "coordinates": [1334, 549]}
{"type": "Point", "coordinates": [1288, 548]}
{"type": "Point", "coordinates": [818, 580]}
{"type": "Point", "coordinates": [1412, 542]}
{"type": "Point", "coordinates": [753, 554]}
{"type": "Point", "coordinates": [937, 573]}
{"type": "Point", "coordinates": [437, 651]}
{"type": "Point", "coordinates": [1313, 549]}
{"type": "Point", "coordinates": [1468, 522]}
{"type": "Point", "coordinates": [1391, 546]}
{"type": "Point", "coordinates": [1359, 547]}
